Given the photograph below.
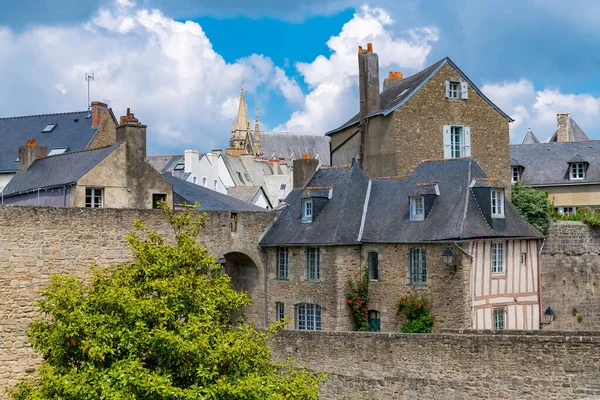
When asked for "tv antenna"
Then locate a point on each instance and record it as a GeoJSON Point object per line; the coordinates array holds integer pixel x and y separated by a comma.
{"type": "Point", "coordinates": [89, 77]}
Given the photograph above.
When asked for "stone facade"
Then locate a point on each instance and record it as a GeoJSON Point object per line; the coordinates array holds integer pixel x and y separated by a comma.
{"type": "Point", "coordinates": [451, 365]}
{"type": "Point", "coordinates": [107, 126]}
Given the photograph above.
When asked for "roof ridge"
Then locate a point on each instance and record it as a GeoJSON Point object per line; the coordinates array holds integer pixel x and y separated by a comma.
{"type": "Point", "coordinates": [79, 151]}
{"type": "Point", "coordinates": [293, 133]}
{"type": "Point", "coordinates": [165, 155]}
{"type": "Point", "coordinates": [43, 115]}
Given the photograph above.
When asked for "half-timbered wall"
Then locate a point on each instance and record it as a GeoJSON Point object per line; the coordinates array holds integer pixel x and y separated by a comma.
{"type": "Point", "coordinates": [516, 289]}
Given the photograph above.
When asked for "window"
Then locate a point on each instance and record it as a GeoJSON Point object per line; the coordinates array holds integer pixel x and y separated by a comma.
{"type": "Point", "coordinates": [307, 210]}
{"type": "Point", "coordinates": [204, 181]}
{"type": "Point", "coordinates": [498, 257]}
{"type": "Point", "coordinates": [156, 198]}
{"type": "Point", "coordinates": [282, 263]}
{"type": "Point", "coordinates": [373, 262]}
{"type": "Point", "coordinates": [453, 90]}
{"type": "Point", "coordinates": [195, 180]}
{"type": "Point", "coordinates": [215, 184]}
{"type": "Point", "coordinates": [417, 208]}
{"type": "Point", "coordinates": [577, 171]}
{"type": "Point", "coordinates": [418, 267]}
{"type": "Point", "coordinates": [499, 315]}
{"type": "Point", "coordinates": [179, 167]}
{"type": "Point", "coordinates": [566, 210]}
{"type": "Point", "coordinates": [283, 186]}
{"type": "Point", "coordinates": [48, 128]}
{"type": "Point", "coordinates": [515, 175]}
{"type": "Point", "coordinates": [374, 321]}
{"type": "Point", "coordinates": [279, 311]}
{"type": "Point", "coordinates": [523, 259]}
{"type": "Point", "coordinates": [57, 150]}
{"type": "Point", "coordinates": [497, 203]}
{"type": "Point", "coordinates": [312, 264]}
{"type": "Point", "coordinates": [457, 141]}
{"type": "Point", "coordinates": [93, 198]}
{"type": "Point", "coordinates": [308, 317]}
{"type": "Point", "coordinates": [239, 174]}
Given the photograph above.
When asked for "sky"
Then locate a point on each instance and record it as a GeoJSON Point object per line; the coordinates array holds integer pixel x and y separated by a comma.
{"type": "Point", "coordinates": [180, 64]}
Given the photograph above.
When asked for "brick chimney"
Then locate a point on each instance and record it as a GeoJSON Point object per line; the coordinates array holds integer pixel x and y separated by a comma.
{"type": "Point", "coordinates": [392, 79]}
{"type": "Point", "coordinates": [133, 133]}
{"type": "Point", "coordinates": [562, 127]}
{"type": "Point", "coordinates": [304, 170]}
{"type": "Point", "coordinates": [368, 80]}
{"type": "Point", "coordinates": [99, 112]}
{"type": "Point", "coordinates": [29, 153]}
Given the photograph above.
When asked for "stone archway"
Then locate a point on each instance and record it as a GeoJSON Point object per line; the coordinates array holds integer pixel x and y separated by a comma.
{"type": "Point", "coordinates": [245, 277]}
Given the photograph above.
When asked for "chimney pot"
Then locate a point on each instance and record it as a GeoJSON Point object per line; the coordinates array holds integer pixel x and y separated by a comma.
{"type": "Point", "coordinates": [369, 47]}
{"type": "Point", "coordinates": [99, 111]}
{"type": "Point", "coordinates": [360, 49]}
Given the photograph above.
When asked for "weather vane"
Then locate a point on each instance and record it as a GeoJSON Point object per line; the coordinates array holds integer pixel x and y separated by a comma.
{"type": "Point", "coordinates": [89, 77]}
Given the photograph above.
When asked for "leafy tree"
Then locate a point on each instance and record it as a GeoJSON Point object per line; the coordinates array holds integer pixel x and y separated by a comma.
{"type": "Point", "coordinates": [167, 325]}
{"type": "Point", "coordinates": [534, 206]}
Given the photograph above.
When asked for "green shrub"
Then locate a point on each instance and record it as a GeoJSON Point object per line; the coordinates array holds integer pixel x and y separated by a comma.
{"type": "Point", "coordinates": [417, 312]}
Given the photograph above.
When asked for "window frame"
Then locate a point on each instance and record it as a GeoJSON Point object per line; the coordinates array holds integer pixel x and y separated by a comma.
{"type": "Point", "coordinates": [497, 204]}
{"type": "Point", "coordinates": [461, 142]}
{"type": "Point", "coordinates": [515, 176]}
{"type": "Point", "coordinates": [524, 259]}
{"type": "Point", "coordinates": [155, 202]}
{"type": "Point", "coordinates": [417, 259]}
{"type": "Point", "coordinates": [577, 171]}
{"type": "Point", "coordinates": [283, 263]}
{"type": "Point", "coordinates": [373, 263]}
{"type": "Point", "coordinates": [414, 200]}
{"type": "Point", "coordinates": [92, 194]}
{"type": "Point", "coordinates": [215, 184]}
{"type": "Point", "coordinates": [308, 317]}
{"type": "Point", "coordinates": [313, 271]}
{"type": "Point", "coordinates": [498, 259]}
{"type": "Point", "coordinates": [457, 90]}
{"type": "Point", "coordinates": [307, 210]}
{"type": "Point", "coordinates": [499, 324]}
{"type": "Point", "coordinates": [279, 311]}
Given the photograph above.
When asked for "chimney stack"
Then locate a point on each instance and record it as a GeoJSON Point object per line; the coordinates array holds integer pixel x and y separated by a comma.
{"type": "Point", "coordinates": [133, 133]}
{"type": "Point", "coordinates": [99, 112]}
{"type": "Point", "coordinates": [392, 79]}
{"type": "Point", "coordinates": [368, 80]}
{"type": "Point", "coordinates": [29, 153]}
{"type": "Point", "coordinates": [304, 170]}
{"type": "Point", "coordinates": [562, 127]}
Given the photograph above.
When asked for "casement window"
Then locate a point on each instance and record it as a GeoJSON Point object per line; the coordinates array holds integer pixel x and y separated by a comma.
{"type": "Point", "coordinates": [498, 257]}
{"type": "Point", "coordinates": [515, 177]}
{"type": "Point", "coordinates": [418, 266]}
{"type": "Point", "coordinates": [417, 208]}
{"type": "Point", "coordinates": [308, 317]}
{"type": "Point", "coordinates": [499, 316]}
{"type": "Point", "coordinates": [373, 262]}
{"type": "Point", "coordinates": [577, 171]}
{"type": "Point", "coordinates": [523, 259]}
{"type": "Point", "coordinates": [457, 141]}
{"type": "Point", "coordinates": [307, 210]}
{"type": "Point", "coordinates": [282, 263]}
{"type": "Point", "coordinates": [497, 198]}
{"type": "Point", "coordinates": [313, 267]}
{"type": "Point", "coordinates": [157, 198]}
{"type": "Point", "coordinates": [279, 311]}
{"type": "Point", "coordinates": [566, 210]}
{"type": "Point", "coordinates": [94, 198]}
{"type": "Point", "coordinates": [457, 90]}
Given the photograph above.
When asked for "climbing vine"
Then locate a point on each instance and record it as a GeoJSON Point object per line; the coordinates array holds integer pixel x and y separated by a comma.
{"type": "Point", "coordinates": [357, 298]}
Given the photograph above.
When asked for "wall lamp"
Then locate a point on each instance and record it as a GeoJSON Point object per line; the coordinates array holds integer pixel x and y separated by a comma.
{"type": "Point", "coordinates": [448, 258]}
{"type": "Point", "coordinates": [548, 316]}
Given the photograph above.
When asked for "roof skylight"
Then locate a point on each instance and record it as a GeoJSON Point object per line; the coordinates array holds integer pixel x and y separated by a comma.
{"type": "Point", "coordinates": [179, 167]}
{"type": "Point", "coordinates": [48, 128]}
{"type": "Point", "coordinates": [57, 150]}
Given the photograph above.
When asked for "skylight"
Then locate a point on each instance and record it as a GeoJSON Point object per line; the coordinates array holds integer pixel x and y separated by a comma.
{"type": "Point", "coordinates": [179, 167]}
{"type": "Point", "coordinates": [57, 150]}
{"type": "Point", "coordinates": [48, 128]}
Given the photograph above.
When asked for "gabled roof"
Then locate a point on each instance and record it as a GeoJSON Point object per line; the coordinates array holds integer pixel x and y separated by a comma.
{"type": "Point", "coordinates": [167, 163]}
{"type": "Point", "coordinates": [547, 164]}
{"type": "Point", "coordinates": [530, 137]}
{"type": "Point", "coordinates": [397, 94]}
{"type": "Point", "coordinates": [238, 172]}
{"type": "Point", "coordinates": [73, 130]}
{"type": "Point", "coordinates": [209, 200]}
{"type": "Point", "coordinates": [284, 144]}
{"type": "Point", "coordinates": [247, 193]}
{"type": "Point", "coordinates": [576, 134]}
{"type": "Point", "coordinates": [577, 159]}
{"type": "Point", "coordinates": [56, 171]}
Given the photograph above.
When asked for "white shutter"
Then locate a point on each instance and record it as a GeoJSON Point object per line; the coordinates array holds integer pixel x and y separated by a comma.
{"type": "Point", "coordinates": [467, 147]}
{"type": "Point", "coordinates": [464, 89]}
{"type": "Point", "coordinates": [447, 89]}
{"type": "Point", "coordinates": [447, 144]}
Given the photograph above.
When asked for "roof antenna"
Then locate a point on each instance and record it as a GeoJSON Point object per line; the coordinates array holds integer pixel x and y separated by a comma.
{"type": "Point", "coordinates": [89, 77]}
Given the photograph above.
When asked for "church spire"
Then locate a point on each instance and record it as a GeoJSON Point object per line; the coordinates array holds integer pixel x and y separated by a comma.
{"type": "Point", "coordinates": [257, 146]}
{"type": "Point", "coordinates": [241, 124]}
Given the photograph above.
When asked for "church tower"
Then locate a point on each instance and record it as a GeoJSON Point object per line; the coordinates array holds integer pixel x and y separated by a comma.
{"type": "Point", "coordinates": [256, 146]}
{"type": "Point", "coordinates": [240, 130]}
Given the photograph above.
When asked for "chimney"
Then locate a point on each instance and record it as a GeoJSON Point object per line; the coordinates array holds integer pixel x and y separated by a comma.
{"type": "Point", "coordinates": [133, 134]}
{"type": "Point", "coordinates": [392, 79]}
{"type": "Point", "coordinates": [368, 80]}
{"type": "Point", "coordinates": [562, 127]}
{"type": "Point", "coordinates": [304, 170]}
{"type": "Point", "coordinates": [99, 111]}
{"type": "Point", "coordinates": [29, 153]}
{"type": "Point", "coordinates": [190, 157]}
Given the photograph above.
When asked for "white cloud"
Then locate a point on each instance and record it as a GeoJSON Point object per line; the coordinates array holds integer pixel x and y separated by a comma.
{"type": "Point", "coordinates": [333, 80]}
{"type": "Point", "coordinates": [538, 108]}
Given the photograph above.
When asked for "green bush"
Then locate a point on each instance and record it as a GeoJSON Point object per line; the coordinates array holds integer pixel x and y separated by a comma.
{"type": "Point", "coordinates": [534, 206]}
{"type": "Point", "coordinates": [417, 312]}
{"type": "Point", "coordinates": [583, 214]}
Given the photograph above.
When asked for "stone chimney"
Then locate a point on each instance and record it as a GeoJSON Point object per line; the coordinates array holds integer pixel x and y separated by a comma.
{"type": "Point", "coordinates": [393, 78]}
{"type": "Point", "coordinates": [133, 133]}
{"type": "Point", "coordinates": [29, 153]}
{"type": "Point", "coordinates": [562, 127]}
{"type": "Point", "coordinates": [368, 80]}
{"type": "Point", "coordinates": [304, 170]}
{"type": "Point", "coordinates": [99, 112]}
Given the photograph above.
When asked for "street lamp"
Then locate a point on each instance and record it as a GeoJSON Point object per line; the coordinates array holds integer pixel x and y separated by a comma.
{"type": "Point", "coordinates": [548, 315]}
{"type": "Point", "coordinates": [448, 258]}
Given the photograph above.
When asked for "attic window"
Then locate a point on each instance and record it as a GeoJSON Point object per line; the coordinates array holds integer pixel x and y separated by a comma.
{"type": "Point", "coordinates": [577, 171]}
{"type": "Point", "coordinates": [417, 208]}
{"type": "Point", "coordinates": [57, 150]}
{"type": "Point", "coordinates": [307, 210]}
{"type": "Point", "coordinates": [453, 90]}
{"type": "Point", "coordinates": [516, 176]}
{"type": "Point", "coordinates": [179, 167]}
{"type": "Point", "coordinates": [48, 128]}
{"type": "Point", "coordinates": [457, 90]}
{"type": "Point", "coordinates": [283, 185]}
{"type": "Point", "coordinates": [497, 203]}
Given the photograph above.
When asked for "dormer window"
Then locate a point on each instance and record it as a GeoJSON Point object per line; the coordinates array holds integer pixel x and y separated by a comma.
{"type": "Point", "coordinates": [307, 210]}
{"type": "Point", "coordinates": [417, 208]}
{"type": "Point", "coordinates": [497, 203]}
{"type": "Point", "coordinates": [577, 171]}
{"type": "Point", "coordinates": [516, 176]}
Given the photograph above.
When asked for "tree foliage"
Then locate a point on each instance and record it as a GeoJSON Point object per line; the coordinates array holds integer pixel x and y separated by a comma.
{"type": "Point", "coordinates": [534, 206]}
{"type": "Point", "coordinates": [416, 309]}
{"type": "Point", "coordinates": [357, 298]}
{"type": "Point", "coordinates": [167, 325]}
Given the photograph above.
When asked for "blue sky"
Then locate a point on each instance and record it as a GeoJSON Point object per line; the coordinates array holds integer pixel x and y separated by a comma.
{"type": "Point", "coordinates": [180, 64]}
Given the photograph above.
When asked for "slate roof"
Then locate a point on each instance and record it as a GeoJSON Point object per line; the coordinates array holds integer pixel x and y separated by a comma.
{"type": "Point", "coordinates": [57, 171]}
{"type": "Point", "coordinates": [73, 130]}
{"type": "Point", "coordinates": [455, 213]}
{"type": "Point", "coordinates": [246, 193]}
{"type": "Point", "coordinates": [167, 163]}
{"type": "Point", "coordinates": [397, 94]}
{"type": "Point", "coordinates": [237, 170]}
{"type": "Point", "coordinates": [547, 164]}
{"type": "Point", "coordinates": [284, 144]}
{"type": "Point", "coordinates": [187, 192]}
{"type": "Point", "coordinates": [337, 222]}
{"type": "Point", "coordinates": [576, 134]}
{"type": "Point", "coordinates": [530, 137]}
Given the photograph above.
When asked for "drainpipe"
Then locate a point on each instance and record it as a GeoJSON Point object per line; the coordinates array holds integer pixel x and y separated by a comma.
{"type": "Point", "coordinates": [38, 199]}
{"type": "Point", "coordinates": [265, 259]}
{"type": "Point", "coordinates": [472, 285]}
{"type": "Point", "coordinates": [539, 273]}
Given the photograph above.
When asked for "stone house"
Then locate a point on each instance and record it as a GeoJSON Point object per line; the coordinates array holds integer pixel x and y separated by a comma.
{"type": "Point", "coordinates": [567, 167]}
{"type": "Point", "coordinates": [340, 221]}
{"type": "Point", "coordinates": [436, 113]}
{"type": "Point", "coordinates": [115, 176]}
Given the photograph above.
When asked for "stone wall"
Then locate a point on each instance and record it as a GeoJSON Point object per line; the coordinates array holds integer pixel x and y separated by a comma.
{"type": "Point", "coordinates": [571, 276]}
{"type": "Point", "coordinates": [451, 365]}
